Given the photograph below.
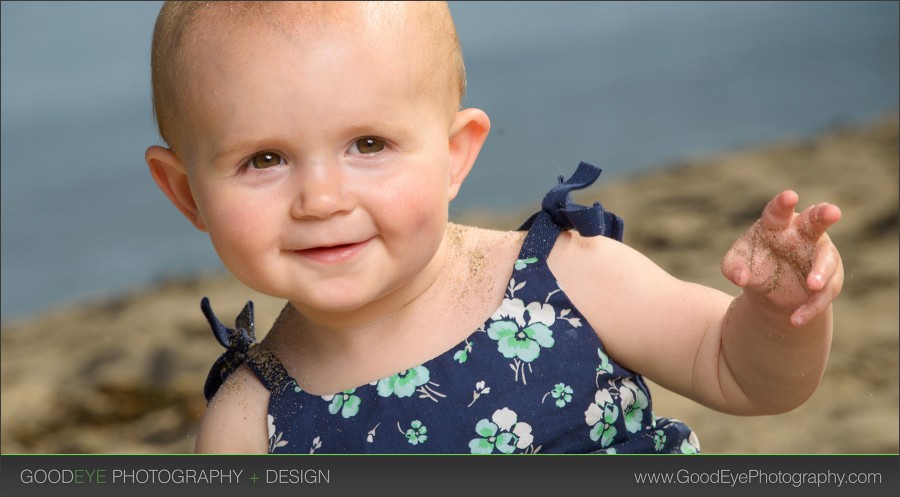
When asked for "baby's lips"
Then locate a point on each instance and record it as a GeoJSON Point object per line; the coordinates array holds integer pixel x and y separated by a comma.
{"type": "Point", "coordinates": [328, 247]}
{"type": "Point", "coordinates": [333, 253]}
{"type": "Point", "coordinates": [331, 245]}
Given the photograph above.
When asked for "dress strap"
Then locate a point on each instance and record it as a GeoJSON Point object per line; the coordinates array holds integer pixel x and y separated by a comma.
{"type": "Point", "coordinates": [240, 347]}
{"type": "Point", "coordinates": [559, 212]}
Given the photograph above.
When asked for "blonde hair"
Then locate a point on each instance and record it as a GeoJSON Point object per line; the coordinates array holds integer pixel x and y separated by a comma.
{"type": "Point", "coordinates": [177, 19]}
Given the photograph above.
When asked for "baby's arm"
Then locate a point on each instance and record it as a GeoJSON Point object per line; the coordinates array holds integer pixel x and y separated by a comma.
{"type": "Point", "coordinates": [235, 419]}
{"type": "Point", "coordinates": [739, 355]}
{"type": "Point", "coordinates": [789, 272]}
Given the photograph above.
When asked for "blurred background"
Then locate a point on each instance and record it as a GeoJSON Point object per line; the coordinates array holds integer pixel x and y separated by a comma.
{"type": "Point", "coordinates": [698, 112]}
{"type": "Point", "coordinates": [628, 86]}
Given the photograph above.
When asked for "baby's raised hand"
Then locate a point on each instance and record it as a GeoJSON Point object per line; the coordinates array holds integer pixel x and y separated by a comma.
{"type": "Point", "coordinates": [787, 261]}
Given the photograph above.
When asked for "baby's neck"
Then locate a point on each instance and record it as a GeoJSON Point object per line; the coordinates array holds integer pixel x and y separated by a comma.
{"type": "Point", "coordinates": [327, 353]}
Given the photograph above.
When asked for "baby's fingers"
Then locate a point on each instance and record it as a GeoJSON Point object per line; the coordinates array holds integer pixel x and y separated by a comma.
{"type": "Point", "coordinates": [826, 264]}
{"type": "Point", "coordinates": [825, 280]}
{"type": "Point", "coordinates": [816, 304]}
{"type": "Point", "coordinates": [779, 212]}
{"type": "Point", "coordinates": [736, 270]}
{"type": "Point", "coordinates": [816, 219]}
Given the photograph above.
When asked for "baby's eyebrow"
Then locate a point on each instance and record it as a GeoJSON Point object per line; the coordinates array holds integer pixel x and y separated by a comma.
{"type": "Point", "coordinates": [219, 153]}
{"type": "Point", "coordinates": [383, 128]}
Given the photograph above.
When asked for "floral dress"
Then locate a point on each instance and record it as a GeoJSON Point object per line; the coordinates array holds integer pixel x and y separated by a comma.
{"type": "Point", "coordinates": [534, 378]}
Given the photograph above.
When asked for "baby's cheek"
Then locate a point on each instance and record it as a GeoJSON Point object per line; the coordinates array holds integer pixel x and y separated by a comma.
{"type": "Point", "coordinates": [425, 207]}
{"type": "Point", "coordinates": [419, 215]}
{"type": "Point", "coordinates": [240, 237]}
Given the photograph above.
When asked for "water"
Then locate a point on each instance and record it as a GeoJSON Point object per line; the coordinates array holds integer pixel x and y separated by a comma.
{"type": "Point", "coordinates": [628, 86]}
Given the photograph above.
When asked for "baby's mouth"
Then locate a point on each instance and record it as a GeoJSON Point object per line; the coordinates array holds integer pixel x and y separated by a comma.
{"type": "Point", "coordinates": [332, 254]}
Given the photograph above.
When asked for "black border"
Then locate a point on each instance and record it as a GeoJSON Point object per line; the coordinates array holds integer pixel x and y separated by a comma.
{"type": "Point", "coordinates": [453, 475]}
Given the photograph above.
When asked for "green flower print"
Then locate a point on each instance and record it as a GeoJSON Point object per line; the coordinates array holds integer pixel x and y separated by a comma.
{"type": "Point", "coordinates": [659, 440]}
{"type": "Point", "coordinates": [345, 402]}
{"type": "Point", "coordinates": [416, 434]}
{"type": "Point", "coordinates": [522, 343]}
{"type": "Point", "coordinates": [691, 445]}
{"type": "Point", "coordinates": [461, 356]}
{"type": "Point", "coordinates": [634, 401]}
{"type": "Point", "coordinates": [600, 416]}
{"type": "Point", "coordinates": [522, 263]}
{"type": "Point", "coordinates": [604, 366]}
{"type": "Point", "coordinates": [403, 384]}
{"type": "Point", "coordinates": [503, 432]}
{"type": "Point", "coordinates": [562, 393]}
{"type": "Point", "coordinates": [293, 385]}
{"type": "Point", "coordinates": [504, 442]}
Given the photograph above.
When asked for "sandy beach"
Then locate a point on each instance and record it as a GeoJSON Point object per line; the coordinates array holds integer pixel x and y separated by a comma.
{"type": "Point", "coordinates": [125, 374]}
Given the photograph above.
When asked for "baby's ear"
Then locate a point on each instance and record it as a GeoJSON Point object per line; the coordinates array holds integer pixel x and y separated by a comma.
{"type": "Point", "coordinates": [468, 131]}
{"type": "Point", "coordinates": [171, 177]}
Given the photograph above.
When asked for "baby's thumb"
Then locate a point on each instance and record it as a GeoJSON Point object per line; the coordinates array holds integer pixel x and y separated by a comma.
{"type": "Point", "coordinates": [735, 269]}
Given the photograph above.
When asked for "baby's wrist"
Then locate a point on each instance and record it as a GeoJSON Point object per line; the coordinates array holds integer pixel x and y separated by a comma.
{"type": "Point", "coordinates": [764, 309]}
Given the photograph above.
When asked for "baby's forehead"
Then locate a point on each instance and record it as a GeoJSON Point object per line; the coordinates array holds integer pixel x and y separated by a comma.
{"type": "Point", "coordinates": [424, 30]}
{"type": "Point", "coordinates": [378, 19]}
{"type": "Point", "coordinates": [302, 29]}
{"type": "Point", "coordinates": [209, 39]}
{"type": "Point", "coordinates": [372, 26]}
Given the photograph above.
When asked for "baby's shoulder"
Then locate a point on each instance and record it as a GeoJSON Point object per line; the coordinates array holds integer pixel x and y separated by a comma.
{"type": "Point", "coordinates": [571, 253]}
{"type": "Point", "coordinates": [574, 252]}
{"type": "Point", "coordinates": [484, 248]}
{"type": "Point", "coordinates": [235, 418]}
{"type": "Point", "coordinates": [598, 266]}
{"type": "Point", "coordinates": [467, 236]}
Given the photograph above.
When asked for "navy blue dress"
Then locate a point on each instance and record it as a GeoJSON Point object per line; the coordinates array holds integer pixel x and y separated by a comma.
{"type": "Point", "coordinates": [534, 378]}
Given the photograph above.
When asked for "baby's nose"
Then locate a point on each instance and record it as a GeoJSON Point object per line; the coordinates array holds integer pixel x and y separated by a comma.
{"type": "Point", "coordinates": [321, 192]}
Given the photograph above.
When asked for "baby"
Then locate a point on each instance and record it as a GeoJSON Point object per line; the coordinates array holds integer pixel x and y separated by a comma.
{"type": "Point", "coordinates": [319, 146]}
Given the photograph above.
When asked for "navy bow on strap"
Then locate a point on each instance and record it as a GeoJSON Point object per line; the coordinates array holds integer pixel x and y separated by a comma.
{"type": "Point", "coordinates": [588, 221]}
{"type": "Point", "coordinates": [237, 343]}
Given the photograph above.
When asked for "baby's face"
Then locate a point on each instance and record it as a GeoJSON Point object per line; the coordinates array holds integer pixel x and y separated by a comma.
{"type": "Point", "coordinates": [318, 162]}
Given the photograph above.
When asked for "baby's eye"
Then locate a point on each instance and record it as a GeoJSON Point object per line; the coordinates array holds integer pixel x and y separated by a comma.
{"type": "Point", "coordinates": [368, 145]}
{"type": "Point", "coordinates": [265, 160]}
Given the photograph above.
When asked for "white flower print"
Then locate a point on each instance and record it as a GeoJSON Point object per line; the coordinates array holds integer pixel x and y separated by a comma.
{"type": "Point", "coordinates": [370, 437]}
{"type": "Point", "coordinates": [511, 308]}
{"type": "Point", "coordinates": [575, 322]}
{"type": "Point", "coordinates": [275, 440]}
{"type": "Point", "coordinates": [541, 313]}
{"type": "Point", "coordinates": [504, 418]}
{"type": "Point", "coordinates": [634, 401]}
{"type": "Point", "coordinates": [507, 420]}
{"type": "Point", "coordinates": [601, 416]}
{"type": "Point", "coordinates": [523, 431]}
{"type": "Point", "coordinates": [516, 309]}
{"type": "Point", "coordinates": [480, 390]}
{"type": "Point", "coordinates": [627, 393]}
{"type": "Point", "coordinates": [691, 445]}
{"type": "Point", "coordinates": [270, 420]}
{"type": "Point", "coordinates": [594, 412]}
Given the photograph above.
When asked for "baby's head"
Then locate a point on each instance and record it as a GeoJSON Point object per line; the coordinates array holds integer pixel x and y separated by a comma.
{"type": "Point", "coordinates": [182, 28]}
{"type": "Point", "coordinates": [314, 142]}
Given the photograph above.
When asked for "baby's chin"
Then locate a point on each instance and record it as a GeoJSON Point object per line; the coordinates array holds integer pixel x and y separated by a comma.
{"type": "Point", "coordinates": [328, 306]}
{"type": "Point", "coordinates": [336, 302]}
